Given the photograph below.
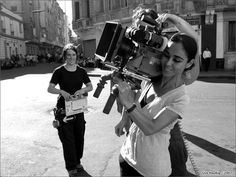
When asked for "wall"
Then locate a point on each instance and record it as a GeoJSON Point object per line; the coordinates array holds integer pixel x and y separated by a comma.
{"type": "Point", "coordinates": [220, 36]}
{"type": "Point", "coordinates": [229, 56]}
{"type": "Point", "coordinates": [12, 40]}
{"type": "Point", "coordinates": [2, 48]}
{"type": "Point", "coordinates": [220, 43]}
{"type": "Point", "coordinates": [11, 46]}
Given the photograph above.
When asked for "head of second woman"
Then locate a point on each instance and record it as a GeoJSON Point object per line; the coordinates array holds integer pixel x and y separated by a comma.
{"type": "Point", "coordinates": [69, 54]}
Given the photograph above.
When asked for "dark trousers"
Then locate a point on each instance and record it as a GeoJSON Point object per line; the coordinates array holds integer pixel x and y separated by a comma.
{"type": "Point", "coordinates": [126, 169]}
{"type": "Point", "coordinates": [71, 135]}
{"type": "Point", "coordinates": [178, 153]}
{"type": "Point", "coordinates": [206, 63]}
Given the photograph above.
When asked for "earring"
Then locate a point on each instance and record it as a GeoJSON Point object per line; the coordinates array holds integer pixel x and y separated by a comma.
{"type": "Point", "coordinates": [188, 75]}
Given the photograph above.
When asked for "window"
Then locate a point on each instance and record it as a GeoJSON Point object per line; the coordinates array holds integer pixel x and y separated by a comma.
{"type": "Point", "coordinates": [14, 8]}
{"type": "Point", "coordinates": [124, 3]}
{"type": "Point", "coordinates": [88, 8]}
{"type": "Point", "coordinates": [3, 24]}
{"type": "Point", "coordinates": [21, 27]}
{"type": "Point", "coordinates": [232, 36]}
{"type": "Point", "coordinates": [130, 2]}
{"type": "Point", "coordinates": [115, 4]}
{"type": "Point", "coordinates": [77, 11]}
{"type": "Point", "coordinates": [109, 5]}
{"type": "Point", "coordinates": [99, 6]}
{"type": "Point", "coordinates": [138, 1]}
{"type": "Point", "coordinates": [11, 28]}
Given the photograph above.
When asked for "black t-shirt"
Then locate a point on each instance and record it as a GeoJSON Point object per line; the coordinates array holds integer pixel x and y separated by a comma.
{"type": "Point", "coordinates": [69, 81]}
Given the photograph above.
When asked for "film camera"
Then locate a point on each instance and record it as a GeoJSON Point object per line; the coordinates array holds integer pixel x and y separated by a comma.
{"type": "Point", "coordinates": [134, 52]}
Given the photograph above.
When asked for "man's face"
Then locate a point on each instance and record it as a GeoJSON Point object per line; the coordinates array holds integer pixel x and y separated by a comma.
{"type": "Point", "coordinates": [70, 57]}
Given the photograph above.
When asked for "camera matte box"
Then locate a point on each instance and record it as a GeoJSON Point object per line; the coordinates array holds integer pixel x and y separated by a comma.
{"type": "Point", "coordinates": [107, 47]}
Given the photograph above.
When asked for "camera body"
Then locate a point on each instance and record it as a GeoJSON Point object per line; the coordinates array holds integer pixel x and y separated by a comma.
{"type": "Point", "coordinates": [134, 51]}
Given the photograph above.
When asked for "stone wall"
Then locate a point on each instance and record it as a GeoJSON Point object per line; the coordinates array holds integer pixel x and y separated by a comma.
{"type": "Point", "coordinates": [230, 61]}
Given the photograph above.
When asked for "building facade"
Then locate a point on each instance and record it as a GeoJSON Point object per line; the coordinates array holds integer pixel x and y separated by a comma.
{"type": "Point", "coordinates": [43, 23]}
{"type": "Point", "coordinates": [213, 20]}
{"type": "Point", "coordinates": [11, 33]}
{"type": "Point", "coordinates": [44, 26]}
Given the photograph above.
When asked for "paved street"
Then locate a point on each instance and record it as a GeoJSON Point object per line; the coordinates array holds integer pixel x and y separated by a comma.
{"type": "Point", "coordinates": [30, 145]}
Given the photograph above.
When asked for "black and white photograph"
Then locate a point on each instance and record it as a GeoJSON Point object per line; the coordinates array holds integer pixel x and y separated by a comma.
{"type": "Point", "coordinates": [117, 88]}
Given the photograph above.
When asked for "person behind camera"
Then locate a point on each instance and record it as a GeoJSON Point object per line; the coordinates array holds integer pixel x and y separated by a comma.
{"type": "Point", "coordinates": [155, 110]}
{"type": "Point", "coordinates": [70, 77]}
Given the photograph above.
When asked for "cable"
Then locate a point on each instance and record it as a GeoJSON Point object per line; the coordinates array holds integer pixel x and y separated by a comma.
{"type": "Point", "coordinates": [196, 170]}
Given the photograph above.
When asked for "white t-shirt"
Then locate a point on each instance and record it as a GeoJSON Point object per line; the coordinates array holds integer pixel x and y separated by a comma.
{"type": "Point", "coordinates": [206, 54]}
{"type": "Point", "coordinates": [149, 155]}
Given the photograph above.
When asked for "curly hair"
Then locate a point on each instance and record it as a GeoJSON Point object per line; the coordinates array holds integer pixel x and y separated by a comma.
{"type": "Point", "coordinates": [67, 47]}
{"type": "Point", "coordinates": [139, 11]}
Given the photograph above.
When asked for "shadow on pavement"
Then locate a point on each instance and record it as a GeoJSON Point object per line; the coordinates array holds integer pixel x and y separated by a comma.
{"type": "Point", "coordinates": [40, 68]}
{"type": "Point", "coordinates": [217, 76]}
{"type": "Point", "coordinates": [218, 151]}
{"type": "Point", "coordinates": [83, 173]}
{"type": "Point", "coordinates": [229, 80]}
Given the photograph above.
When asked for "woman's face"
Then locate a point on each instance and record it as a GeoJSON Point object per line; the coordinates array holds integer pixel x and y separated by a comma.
{"type": "Point", "coordinates": [70, 57]}
{"type": "Point", "coordinates": [174, 60]}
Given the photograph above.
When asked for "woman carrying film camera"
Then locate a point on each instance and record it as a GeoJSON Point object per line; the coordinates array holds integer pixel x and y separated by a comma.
{"type": "Point", "coordinates": [155, 110]}
{"type": "Point", "coordinates": [71, 78]}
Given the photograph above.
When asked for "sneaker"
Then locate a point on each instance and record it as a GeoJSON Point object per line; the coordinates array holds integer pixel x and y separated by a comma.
{"type": "Point", "coordinates": [79, 168]}
{"type": "Point", "coordinates": [72, 173]}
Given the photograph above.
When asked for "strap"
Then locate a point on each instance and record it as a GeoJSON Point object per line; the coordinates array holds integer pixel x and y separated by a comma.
{"type": "Point", "coordinates": [144, 92]}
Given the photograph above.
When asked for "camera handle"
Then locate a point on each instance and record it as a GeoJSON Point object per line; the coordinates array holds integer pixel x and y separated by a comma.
{"type": "Point", "coordinates": [114, 92]}
{"type": "Point", "coordinates": [101, 84]}
{"type": "Point", "coordinates": [111, 100]}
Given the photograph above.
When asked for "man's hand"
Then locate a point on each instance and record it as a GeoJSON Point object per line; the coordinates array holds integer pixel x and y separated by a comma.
{"type": "Point", "coordinates": [66, 95]}
{"type": "Point", "coordinates": [79, 92]}
{"type": "Point", "coordinates": [116, 77]}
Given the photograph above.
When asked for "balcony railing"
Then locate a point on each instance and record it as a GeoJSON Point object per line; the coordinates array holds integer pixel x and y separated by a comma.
{"type": "Point", "coordinates": [4, 30]}
{"type": "Point", "coordinates": [82, 23]}
{"type": "Point", "coordinates": [115, 14]}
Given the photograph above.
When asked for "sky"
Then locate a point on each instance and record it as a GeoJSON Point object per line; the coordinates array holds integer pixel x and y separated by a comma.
{"type": "Point", "coordinates": [66, 6]}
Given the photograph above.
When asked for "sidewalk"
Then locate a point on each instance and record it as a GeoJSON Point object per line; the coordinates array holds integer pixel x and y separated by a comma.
{"type": "Point", "coordinates": [95, 72]}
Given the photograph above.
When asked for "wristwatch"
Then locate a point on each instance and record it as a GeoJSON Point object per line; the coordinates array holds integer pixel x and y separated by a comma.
{"type": "Point", "coordinates": [131, 108]}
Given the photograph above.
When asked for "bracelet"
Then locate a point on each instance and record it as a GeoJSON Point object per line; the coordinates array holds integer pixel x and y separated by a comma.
{"type": "Point", "coordinates": [131, 108]}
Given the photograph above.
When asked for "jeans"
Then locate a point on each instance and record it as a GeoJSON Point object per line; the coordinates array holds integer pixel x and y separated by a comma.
{"type": "Point", "coordinates": [71, 135]}
{"type": "Point", "coordinates": [126, 169]}
{"type": "Point", "coordinates": [178, 153]}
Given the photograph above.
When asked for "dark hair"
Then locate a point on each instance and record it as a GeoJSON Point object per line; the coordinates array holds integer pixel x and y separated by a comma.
{"type": "Point", "coordinates": [141, 10]}
{"type": "Point", "coordinates": [189, 44]}
{"type": "Point", "coordinates": [68, 47]}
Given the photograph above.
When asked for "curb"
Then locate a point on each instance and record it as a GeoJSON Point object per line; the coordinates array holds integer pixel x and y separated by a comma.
{"type": "Point", "coordinates": [217, 76]}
